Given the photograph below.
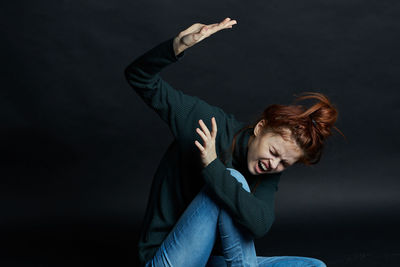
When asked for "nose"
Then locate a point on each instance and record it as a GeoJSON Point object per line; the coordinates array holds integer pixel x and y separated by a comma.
{"type": "Point", "coordinates": [274, 163]}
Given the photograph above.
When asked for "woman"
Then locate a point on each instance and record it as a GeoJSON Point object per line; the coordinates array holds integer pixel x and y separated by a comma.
{"type": "Point", "coordinates": [213, 193]}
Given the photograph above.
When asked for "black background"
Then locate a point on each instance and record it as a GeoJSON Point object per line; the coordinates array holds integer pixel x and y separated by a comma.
{"type": "Point", "coordinates": [79, 148]}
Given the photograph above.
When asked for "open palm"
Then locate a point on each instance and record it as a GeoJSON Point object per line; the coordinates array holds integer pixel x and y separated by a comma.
{"type": "Point", "coordinates": [198, 32]}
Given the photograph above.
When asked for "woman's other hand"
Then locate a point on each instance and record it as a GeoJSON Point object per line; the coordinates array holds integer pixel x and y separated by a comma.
{"type": "Point", "coordinates": [198, 32]}
{"type": "Point", "coordinates": [207, 150]}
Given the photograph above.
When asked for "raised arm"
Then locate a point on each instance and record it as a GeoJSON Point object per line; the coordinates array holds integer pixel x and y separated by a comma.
{"type": "Point", "coordinates": [172, 105]}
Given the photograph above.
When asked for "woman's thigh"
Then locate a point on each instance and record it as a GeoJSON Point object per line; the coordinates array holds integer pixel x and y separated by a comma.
{"type": "Point", "coordinates": [191, 240]}
{"type": "Point", "coordinates": [277, 261]}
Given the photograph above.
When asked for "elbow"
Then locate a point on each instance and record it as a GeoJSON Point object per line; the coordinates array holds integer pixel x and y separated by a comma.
{"type": "Point", "coordinates": [127, 73]}
{"type": "Point", "coordinates": [132, 72]}
{"type": "Point", "coordinates": [261, 231]}
{"type": "Point", "coordinates": [263, 226]}
{"type": "Point", "coordinates": [137, 78]}
{"type": "Point", "coordinates": [132, 77]}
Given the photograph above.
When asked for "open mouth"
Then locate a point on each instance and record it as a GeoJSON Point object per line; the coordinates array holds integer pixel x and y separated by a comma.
{"type": "Point", "coordinates": [262, 166]}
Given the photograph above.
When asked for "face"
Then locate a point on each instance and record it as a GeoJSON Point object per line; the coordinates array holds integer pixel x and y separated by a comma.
{"type": "Point", "coordinates": [271, 151]}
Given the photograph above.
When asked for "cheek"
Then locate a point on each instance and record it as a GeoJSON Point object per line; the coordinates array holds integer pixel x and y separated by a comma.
{"type": "Point", "coordinates": [252, 152]}
{"type": "Point", "coordinates": [258, 151]}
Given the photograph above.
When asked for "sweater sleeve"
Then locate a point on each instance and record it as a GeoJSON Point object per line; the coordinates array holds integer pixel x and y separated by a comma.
{"type": "Point", "coordinates": [254, 211]}
{"type": "Point", "coordinates": [179, 110]}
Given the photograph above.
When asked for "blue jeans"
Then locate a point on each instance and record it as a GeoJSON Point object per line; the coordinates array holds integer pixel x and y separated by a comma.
{"type": "Point", "coordinates": [191, 240]}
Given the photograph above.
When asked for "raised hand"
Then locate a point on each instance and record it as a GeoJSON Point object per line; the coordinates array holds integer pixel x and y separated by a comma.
{"type": "Point", "coordinates": [197, 32]}
{"type": "Point", "coordinates": [207, 150]}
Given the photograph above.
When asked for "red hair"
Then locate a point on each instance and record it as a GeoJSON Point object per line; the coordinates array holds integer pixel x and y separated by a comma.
{"type": "Point", "coordinates": [309, 127]}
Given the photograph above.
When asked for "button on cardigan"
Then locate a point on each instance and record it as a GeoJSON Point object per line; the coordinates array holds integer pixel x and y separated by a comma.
{"type": "Point", "coordinates": [180, 174]}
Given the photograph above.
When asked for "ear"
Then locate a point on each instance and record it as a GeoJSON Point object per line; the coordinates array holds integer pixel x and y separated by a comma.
{"type": "Point", "coordinates": [258, 130]}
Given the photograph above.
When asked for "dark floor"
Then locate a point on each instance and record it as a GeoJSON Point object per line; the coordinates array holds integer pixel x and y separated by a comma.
{"type": "Point", "coordinates": [114, 245]}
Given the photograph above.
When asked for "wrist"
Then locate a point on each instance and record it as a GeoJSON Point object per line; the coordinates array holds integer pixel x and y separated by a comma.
{"type": "Point", "coordinates": [211, 160]}
{"type": "Point", "coordinates": [178, 47]}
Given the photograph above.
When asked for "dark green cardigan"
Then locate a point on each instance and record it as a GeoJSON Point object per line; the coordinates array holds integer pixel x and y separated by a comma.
{"type": "Point", "coordinates": [180, 175]}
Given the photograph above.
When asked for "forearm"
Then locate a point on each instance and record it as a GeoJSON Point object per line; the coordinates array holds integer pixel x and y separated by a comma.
{"type": "Point", "coordinates": [144, 67]}
{"type": "Point", "coordinates": [255, 214]}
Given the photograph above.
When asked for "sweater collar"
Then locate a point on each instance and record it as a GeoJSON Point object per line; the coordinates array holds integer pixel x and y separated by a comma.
{"type": "Point", "coordinates": [239, 158]}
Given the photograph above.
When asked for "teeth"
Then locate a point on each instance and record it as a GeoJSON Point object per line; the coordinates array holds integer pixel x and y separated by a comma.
{"type": "Point", "coordinates": [263, 166]}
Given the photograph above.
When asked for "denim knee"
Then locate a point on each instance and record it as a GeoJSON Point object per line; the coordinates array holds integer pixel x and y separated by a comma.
{"type": "Point", "coordinates": [240, 178]}
{"type": "Point", "coordinates": [319, 263]}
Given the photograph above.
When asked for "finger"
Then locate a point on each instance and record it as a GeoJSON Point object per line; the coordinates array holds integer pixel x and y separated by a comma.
{"type": "Point", "coordinates": [227, 24]}
{"type": "Point", "coordinates": [214, 127]}
{"type": "Point", "coordinates": [214, 25]}
{"type": "Point", "coordinates": [201, 148]}
{"type": "Point", "coordinates": [213, 28]}
{"type": "Point", "coordinates": [223, 25]}
{"type": "Point", "coordinates": [204, 128]}
{"type": "Point", "coordinates": [197, 37]}
{"type": "Point", "coordinates": [225, 20]}
{"type": "Point", "coordinates": [207, 30]}
{"type": "Point", "coordinates": [204, 29]}
{"type": "Point", "coordinates": [231, 23]}
{"type": "Point", "coordinates": [202, 135]}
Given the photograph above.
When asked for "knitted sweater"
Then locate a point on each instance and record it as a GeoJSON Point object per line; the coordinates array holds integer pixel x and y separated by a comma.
{"type": "Point", "coordinates": [180, 174]}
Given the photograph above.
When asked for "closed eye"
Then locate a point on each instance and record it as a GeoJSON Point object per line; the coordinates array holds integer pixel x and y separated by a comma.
{"type": "Point", "coordinates": [284, 163]}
